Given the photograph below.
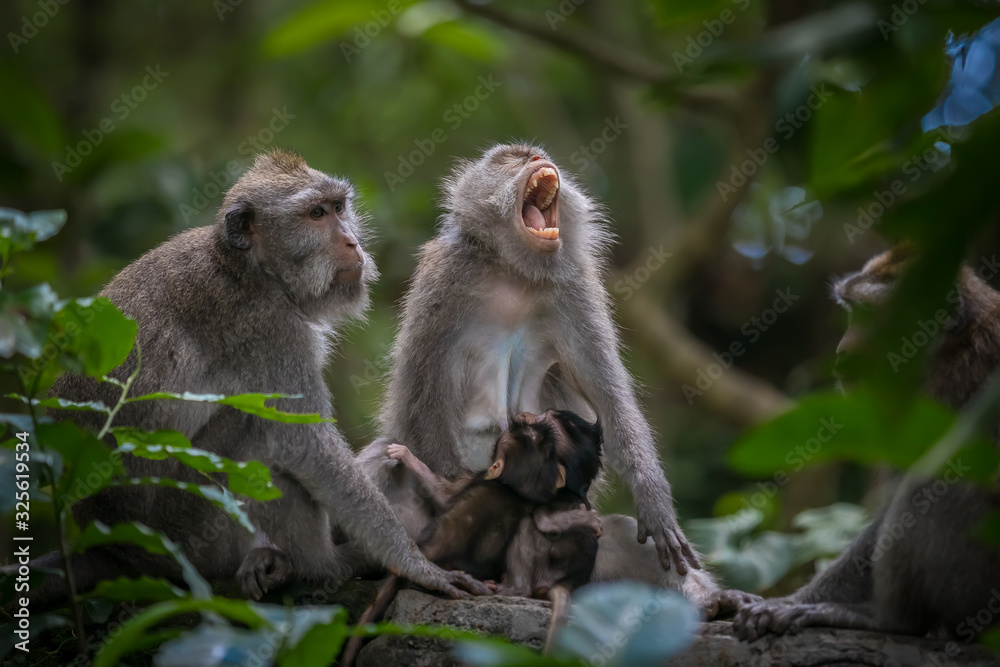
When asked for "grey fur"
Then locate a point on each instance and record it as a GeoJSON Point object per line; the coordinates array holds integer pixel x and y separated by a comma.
{"type": "Point", "coordinates": [917, 569]}
{"type": "Point", "coordinates": [248, 305]}
{"type": "Point", "coordinates": [492, 327]}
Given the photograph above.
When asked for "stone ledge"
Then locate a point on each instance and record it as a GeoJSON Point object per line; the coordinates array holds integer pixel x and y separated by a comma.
{"type": "Point", "coordinates": [525, 622]}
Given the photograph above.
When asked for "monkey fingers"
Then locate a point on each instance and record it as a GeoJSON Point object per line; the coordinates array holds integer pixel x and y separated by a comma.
{"type": "Point", "coordinates": [730, 601]}
{"type": "Point", "coordinates": [671, 546]}
{"type": "Point", "coordinates": [262, 570]}
{"type": "Point", "coordinates": [453, 583]}
{"type": "Point", "coordinates": [755, 620]}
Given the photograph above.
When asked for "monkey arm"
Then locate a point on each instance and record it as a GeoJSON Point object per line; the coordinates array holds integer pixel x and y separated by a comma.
{"type": "Point", "coordinates": [592, 356]}
{"type": "Point", "coordinates": [440, 489]}
{"type": "Point", "coordinates": [559, 521]}
{"type": "Point", "coordinates": [320, 460]}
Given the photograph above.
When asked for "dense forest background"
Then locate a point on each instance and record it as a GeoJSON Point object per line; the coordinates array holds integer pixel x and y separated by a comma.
{"type": "Point", "coordinates": [746, 151]}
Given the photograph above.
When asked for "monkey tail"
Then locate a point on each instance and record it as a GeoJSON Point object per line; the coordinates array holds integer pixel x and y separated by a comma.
{"type": "Point", "coordinates": [559, 596]}
{"type": "Point", "coordinates": [384, 595]}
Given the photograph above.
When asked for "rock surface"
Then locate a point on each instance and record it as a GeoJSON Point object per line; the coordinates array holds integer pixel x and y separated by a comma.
{"type": "Point", "coordinates": [526, 621]}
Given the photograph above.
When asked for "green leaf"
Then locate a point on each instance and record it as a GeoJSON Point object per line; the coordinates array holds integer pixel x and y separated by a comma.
{"type": "Point", "coordinates": [217, 646]}
{"type": "Point", "coordinates": [24, 320]}
{"type": "Point", "coordinates": [314, 636]}
{"type": "Point", "coordinates": [320, 22]}
{"type": "Point", "coordinates": [62, 404]}
{"type": "Point", "coordinates": [89, 465]}
{"type": "Point", "coordinates": [468, 40]}
{"type": "Point", "coordinates": [144, 588]}
{"type": "Point", "coordinates": [20, 231]}
{"type": "Point", "coordinates": [98, 337]}
{"type": "Point", "coordinates": [133, 633]}
{"type": "Point", "coordinates": [250, 403]}
{"type": "Point", "coordinates": [250, 478]}
{"type": "Point", "coordinates": [129, 435]}
{"type": "Point", "coordinates": [135, 533]}
{"type": "Point", "coordinates": [830, 426]}
{"type": "Point", "coordinates": [218, 496]}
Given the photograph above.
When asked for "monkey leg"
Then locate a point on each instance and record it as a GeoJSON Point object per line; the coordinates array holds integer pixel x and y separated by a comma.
{"type": "Point", "coordinates": [848, 581]}
{"type": "Point", "coordinates": [298, 529]}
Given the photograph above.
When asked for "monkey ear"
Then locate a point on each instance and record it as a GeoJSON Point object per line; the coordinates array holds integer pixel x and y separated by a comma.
{"type": "Point", "coordinates": [494, 470]}
{"type": "Point", "coordinates": [239, 227]}
{"type": "Point", "coordinates": [561, 482]}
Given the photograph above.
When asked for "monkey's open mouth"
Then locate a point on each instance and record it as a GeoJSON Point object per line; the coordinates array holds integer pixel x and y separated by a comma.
{"type": "Point", "coordinates": [540, 206]}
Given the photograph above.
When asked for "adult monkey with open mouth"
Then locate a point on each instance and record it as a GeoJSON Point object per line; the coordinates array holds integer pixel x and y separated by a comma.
{"type": "Point", "coordinates": [506, 314]}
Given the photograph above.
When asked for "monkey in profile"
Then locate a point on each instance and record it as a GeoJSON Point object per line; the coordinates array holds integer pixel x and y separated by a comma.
{"type": "Point", "coordinates": [507, 313]}
{"type": "Point", "coordinates": [525, 520]}
{"type": "Point", "coordinates": [246, 304]}
{"type": "Point", "coordinates": [937, 574]}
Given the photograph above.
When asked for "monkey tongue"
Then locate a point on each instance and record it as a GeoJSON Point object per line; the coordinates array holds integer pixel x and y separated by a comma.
{"type": "Point", "coordinates": [532, 216]}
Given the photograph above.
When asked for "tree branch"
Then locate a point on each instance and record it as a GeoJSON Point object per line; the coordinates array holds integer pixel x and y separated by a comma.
{"type": "Point", "coordinates": [594, 48]}
{"type": "Point", "coordinates": [738, 396]}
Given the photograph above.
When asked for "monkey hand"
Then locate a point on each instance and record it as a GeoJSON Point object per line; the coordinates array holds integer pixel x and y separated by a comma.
{"type": "Point", "coordinates": [263, 569]}
{"type": "Point", "coordinates": [777, 615]}
{"type": "Point", "coordinates": [671, 545]}
{"type": "Point", "coordinates": [398, 452]}
{"type": "Point", "coordinates": [453, 583]}
{"type": "Point", "coordinates": [726, 602]}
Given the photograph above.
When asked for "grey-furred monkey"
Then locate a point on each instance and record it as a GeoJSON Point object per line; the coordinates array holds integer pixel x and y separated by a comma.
{"type": "Point", "coordinates": [506, 314]}
{"type": "Point", "coordinates": [919, 568]}
{"type": "Point", "coordinates": [244, 305]}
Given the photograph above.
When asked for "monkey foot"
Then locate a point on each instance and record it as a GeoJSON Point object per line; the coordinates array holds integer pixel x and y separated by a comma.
{"type": "Point", "coordinates": [263, 569]}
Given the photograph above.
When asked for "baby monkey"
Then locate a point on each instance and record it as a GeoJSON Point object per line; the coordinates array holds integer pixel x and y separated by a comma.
{"type": "Point", "coordinates": [524, 521]}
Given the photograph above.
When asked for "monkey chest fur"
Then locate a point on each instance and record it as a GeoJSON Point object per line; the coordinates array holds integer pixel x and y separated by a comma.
{"type": "Point", "coordinates": [504, 361]}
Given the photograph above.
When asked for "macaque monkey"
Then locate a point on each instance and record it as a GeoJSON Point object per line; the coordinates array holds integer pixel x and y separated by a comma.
{"type": "Point", "coordinates": [248, 304]}
{"type": "Point", "coordinates": [478, 515]}
{"type": "Point", "coordinates": [937, 575]}
{"type": "Point", "coordinates": [507, 313]}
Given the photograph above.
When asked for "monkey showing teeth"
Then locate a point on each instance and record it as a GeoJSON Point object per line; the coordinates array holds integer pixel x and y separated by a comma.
{"type": "Point", "coordinates": [507, 313]}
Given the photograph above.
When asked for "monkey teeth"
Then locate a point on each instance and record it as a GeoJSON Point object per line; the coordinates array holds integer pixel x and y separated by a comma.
{"type": "Point", "coordinates": [548, 178]}
{"type": "Point", "coordinates": [549, 233]}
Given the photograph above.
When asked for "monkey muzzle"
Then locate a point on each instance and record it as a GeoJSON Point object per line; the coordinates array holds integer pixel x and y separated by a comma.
{"type": "Point", "coordinates": [540, 206]}
{"type": "Point", "coordinates": [349, 274]}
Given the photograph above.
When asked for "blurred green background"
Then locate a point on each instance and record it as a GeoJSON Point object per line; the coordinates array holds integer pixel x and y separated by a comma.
{"type": "Point", "coordinates": [745, 150]}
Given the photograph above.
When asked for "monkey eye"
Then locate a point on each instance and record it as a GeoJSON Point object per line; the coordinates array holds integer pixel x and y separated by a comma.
{"type": "Point", "coordinates": [338, 206]}
{"type": "Point", "coordinates": [317, 213]}
{"type": "Point", "coordinates": [536, 157]}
